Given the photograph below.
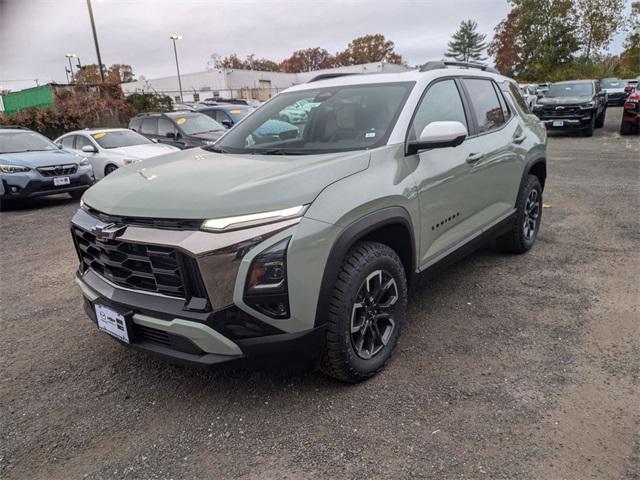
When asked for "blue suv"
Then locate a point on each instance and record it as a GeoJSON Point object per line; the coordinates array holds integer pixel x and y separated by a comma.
{"type": "Point", "coordinates": [31, 165]}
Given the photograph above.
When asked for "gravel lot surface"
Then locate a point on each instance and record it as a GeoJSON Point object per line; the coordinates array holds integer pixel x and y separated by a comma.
{"type": "Point", "coordinates": [509, 366]}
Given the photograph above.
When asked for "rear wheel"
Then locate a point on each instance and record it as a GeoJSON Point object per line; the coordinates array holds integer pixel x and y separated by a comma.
{"type": "Point", "coordinates": [526, 223]}
{"type": "Point", "coordinates": [109, 169]}
{"type": "Point", "coordinates": [601, 117]}
{"type": "Point", "coordinates": [366, 312]}
{"type": "Point", "coordinates": [628, 128]}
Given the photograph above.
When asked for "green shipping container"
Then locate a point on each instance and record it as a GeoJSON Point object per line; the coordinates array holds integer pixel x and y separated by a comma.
{"type": "Point", "coordinates": [31, 97]}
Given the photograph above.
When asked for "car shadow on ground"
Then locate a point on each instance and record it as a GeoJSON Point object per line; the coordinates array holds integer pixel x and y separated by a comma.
{"type": "Point", "coordinates": [273, 379]}
{"type": "Point", "coordinates": [36, 203]}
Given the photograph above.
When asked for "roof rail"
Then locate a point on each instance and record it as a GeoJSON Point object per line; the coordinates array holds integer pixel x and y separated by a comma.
{"type": "Point", "coordinates": [18, 127]}
{"type": "Point", "coordinates": [327, 76]}
{"type": "Point", "coordinates": [444, 64]}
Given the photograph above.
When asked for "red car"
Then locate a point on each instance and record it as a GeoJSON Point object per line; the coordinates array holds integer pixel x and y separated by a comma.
{"type": "Point", "coordinates": [631, 114]}
{"type": "Point", "coordinates": [630, 86]}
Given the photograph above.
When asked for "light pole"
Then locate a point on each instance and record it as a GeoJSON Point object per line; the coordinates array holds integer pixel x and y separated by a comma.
{"type": "Point", "coordinates": [69, 57]}
{"type": "Point", "coordinates": [175, 37]}
{"type": "Point", "coordinates": [95, 40]}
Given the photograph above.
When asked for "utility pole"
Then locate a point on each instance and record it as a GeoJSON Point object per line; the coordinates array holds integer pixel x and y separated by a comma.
{"type": "Point", "coordinates": [95, 40]}
{"type": "Point", "coordinates": [175, 37]}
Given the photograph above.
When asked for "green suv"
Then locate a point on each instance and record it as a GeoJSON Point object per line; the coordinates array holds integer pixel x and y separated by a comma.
{"type": "Point", "coordinates": [300, 250]}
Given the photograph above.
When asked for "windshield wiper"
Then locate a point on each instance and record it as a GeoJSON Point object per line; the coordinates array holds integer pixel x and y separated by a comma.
{"type": "Point", "coordinates": [282, 151]}
{"type": "Point", "coordinates": [211, 148]}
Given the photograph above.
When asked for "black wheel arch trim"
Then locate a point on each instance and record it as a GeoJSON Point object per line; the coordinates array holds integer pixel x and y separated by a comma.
{"type": "Point", "coordinates": [530, 166]}
{"type": "Point", "coordinates": [354, 232]}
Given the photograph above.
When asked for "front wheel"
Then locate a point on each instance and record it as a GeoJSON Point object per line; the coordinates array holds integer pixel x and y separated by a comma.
{"type": "Point", "coordinates": [109, 169]}
{"type": "Point", "coordinates": [588, 131]}
{"type": "Point", "coordinates": [366, 313]}
{"type": "Point", "coordinates": [526, 223]}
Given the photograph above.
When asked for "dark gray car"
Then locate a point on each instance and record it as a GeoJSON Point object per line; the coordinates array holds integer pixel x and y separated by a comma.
{"type": "Point", "coordinates": [180, 129]}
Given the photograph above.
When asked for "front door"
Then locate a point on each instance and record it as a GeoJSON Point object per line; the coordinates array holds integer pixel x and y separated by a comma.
{"type": "Point", "coordinates": [446, 189]}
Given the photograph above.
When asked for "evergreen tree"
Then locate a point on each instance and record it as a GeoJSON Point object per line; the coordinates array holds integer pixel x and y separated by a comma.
{"type": "Point", "coordinates": [467, 44]}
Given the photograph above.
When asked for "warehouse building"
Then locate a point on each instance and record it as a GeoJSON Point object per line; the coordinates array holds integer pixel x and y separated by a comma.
{"type": "Point", "coordinates": [234, 83]}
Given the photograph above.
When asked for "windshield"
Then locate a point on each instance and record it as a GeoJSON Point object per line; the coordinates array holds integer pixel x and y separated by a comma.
{"type": "Point", "coordinates": [119, 138]}
{"type": "Point", "coordinates": [194, 123]}
{"type": "Point", "coordinates": [321, 120]}
{"type": "Point", "coordinates": [16, 141]}
{"type": "Point", "coordinates": [570, 90]}
{"type": "Point", "coordinates": [612, 83]}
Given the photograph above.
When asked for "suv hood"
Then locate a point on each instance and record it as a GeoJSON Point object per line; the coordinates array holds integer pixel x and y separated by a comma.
{"type": "Point", "coordinates": [196, 184]}
{"type": "Point", "coordinates": [39, 159]}
{"type": "Point", "coordinates": [144, 151]}
{"type": "Point", "coordinates": [564, 100]}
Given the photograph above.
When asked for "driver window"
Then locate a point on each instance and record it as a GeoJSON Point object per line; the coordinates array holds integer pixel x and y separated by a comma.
{"type": "Point", "coordinates": [82, 141]}
{"type": "Point", "coordinates": [441, 103]}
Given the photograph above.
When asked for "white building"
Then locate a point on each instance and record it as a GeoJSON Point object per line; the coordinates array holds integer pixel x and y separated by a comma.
{"type": "Point", "coordinates": [232, 83]}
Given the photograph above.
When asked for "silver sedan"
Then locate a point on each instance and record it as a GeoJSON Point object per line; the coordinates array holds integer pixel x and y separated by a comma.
{"type": "Point", "coordinates": [110, 148]}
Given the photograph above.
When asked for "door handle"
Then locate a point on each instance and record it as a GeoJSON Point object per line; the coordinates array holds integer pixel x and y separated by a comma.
{"type": "Point", "coordinates": [519, 138]}
{"type": "Point", "coordinates": [474, 157]}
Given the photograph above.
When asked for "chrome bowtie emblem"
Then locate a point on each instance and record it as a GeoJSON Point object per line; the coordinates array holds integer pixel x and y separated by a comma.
{"type": "Point", "coordinates": [108, 232]}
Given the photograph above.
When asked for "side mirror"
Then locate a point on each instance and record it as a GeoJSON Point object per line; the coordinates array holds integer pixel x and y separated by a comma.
{"type": "Point", "coordinates": [89, 149]}
{"type": "Point", "coordinates": [439, 135]}
{"type": "Point", "coordinates": [227, 124]}
{"type": "Point", "coordinates": [171, 135]}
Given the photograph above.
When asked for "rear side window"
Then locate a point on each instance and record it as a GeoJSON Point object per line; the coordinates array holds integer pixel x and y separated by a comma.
{"type": "Point", "coordinates": [503, 104]}
{"type": "Point", "coordinates": [486, 105]}
{"type": "Point", "coordinates": [149, 126]}
{"type": "Point", "coordinates": [67, 142]}
{"type": "Point", "coordinates": [134, 124]}
{"type": "Point", "coordinates": [441, 103]}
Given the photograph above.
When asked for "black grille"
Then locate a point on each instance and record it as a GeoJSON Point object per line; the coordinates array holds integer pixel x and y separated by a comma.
{"type": "Point", "coordinates": [151, 335]}
{"type": "Point", "coordinates": [140, 267]}
{"type": "Point", "coordinates": [56, 170]}
{"type": "Point", "coordinates": [562, 112]}
{"type": "Point", "coordinates": [163, 223]}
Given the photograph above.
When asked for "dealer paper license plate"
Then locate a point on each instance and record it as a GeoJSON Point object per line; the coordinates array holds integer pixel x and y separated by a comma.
{"type": "Point", "coordinates": [558, 123]}
{"type": "Point", "coordinates": [112, 322]}
{"type": "Point", "coordinates": [59, 181]}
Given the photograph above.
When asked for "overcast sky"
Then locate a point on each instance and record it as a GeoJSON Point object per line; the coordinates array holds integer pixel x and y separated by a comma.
{"type": "Point", "coordinates": [36, 34]}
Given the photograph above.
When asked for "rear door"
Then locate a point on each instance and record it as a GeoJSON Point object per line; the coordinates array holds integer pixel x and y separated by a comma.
{"type": "Point", "coordinates": [448, 209]}
{"type": "Point", "coordinates": [496, 174]}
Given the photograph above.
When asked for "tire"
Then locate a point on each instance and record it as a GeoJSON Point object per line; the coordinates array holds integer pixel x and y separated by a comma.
{"type": "Point", "coordinates": [628, 128]}
{"type": "Point", "coordinates": [588, 132]}
{"type": "Point", "coordinates": [523, 235]}
{"type": "Point", "coordinates": [601, 117]}
{"type": "Point", "coordinates": [77, 194]}
{"type": "Point", "coordinates": [355, 355]}
{"type": "Point", "coordinates": [109, 169]}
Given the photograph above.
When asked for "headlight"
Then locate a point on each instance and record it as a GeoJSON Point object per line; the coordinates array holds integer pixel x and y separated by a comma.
{"type": "Point", "coordinates": [13, 169]}
{"type": "Point", "coordinates": [130, 161]}
{"type": "Point", "coordinates": [243, 221]}
{"type": "Point", "coordinates": [586, 106]}
{"type": "Point", "coordinates": [266, 287]}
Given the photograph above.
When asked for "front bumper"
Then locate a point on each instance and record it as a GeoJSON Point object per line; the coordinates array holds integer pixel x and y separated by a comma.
{"type": "Point", "coordinates": [191, 341]}
{"type": "Point", "coordinates": [31, 184]}
{"type": "Point", "coordinates": [208, 331]}
{"type": "Point", "coordinates": [563, 123]}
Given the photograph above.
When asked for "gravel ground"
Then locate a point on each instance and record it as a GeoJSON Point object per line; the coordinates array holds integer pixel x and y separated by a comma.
{"type": "Point", "coordinates": [509, 366]}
